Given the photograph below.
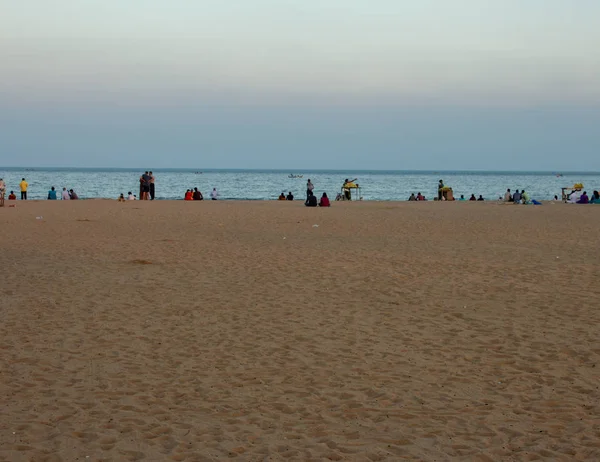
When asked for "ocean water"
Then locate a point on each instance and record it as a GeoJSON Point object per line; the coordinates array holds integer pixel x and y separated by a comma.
{"type": "Point", "coordinates": [268, 184]}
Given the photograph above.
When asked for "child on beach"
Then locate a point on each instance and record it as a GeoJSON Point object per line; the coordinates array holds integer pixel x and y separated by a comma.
{"type": "Point", "coordinates": [121, 198]}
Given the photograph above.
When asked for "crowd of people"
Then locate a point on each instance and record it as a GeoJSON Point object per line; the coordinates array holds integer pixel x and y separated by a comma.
{"type": "Point", "coordinates": [148, 192]}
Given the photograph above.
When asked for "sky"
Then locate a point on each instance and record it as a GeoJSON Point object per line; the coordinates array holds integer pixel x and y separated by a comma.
{"type": "Point", "coordinates": [378, 84]}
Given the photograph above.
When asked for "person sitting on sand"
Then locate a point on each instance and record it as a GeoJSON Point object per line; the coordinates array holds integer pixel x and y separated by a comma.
{"type": "Point", "coordinates": [281, 196]}
{"type": "Point", "coordinates": [12, 196]}
{"type": "Point", "coordinates": [472, 198]}
{"type": "Point", "coordinates": [420, 197]}
{"type": "Point", "coordinates": [52, 194]}
{"type": "Point", "coordinates": [188, 196]}
{"type": "Point", "coordinates": [73, 195]}
{"type": "Point", "coordinates": [525, 197]}
{"type": "Point", "coordinates": [584, 199]}
{"type": "Point", "coordinates": [130, 196]}
{"type": "Point", "coordinates": [214, 195]}
{"type": "Point", "coordinates": [197, 196]}
{"type": "Point", "coordinates": [311, 200]}
{"type": "Point", "coordinates": [121, 198]}
{"type": "Point", "coordinates": [65, 195]}
{"type": "Point", "coordinates": [290, 196]}
{"type": "Point", "coordinates": [555, 198]}
{"type": "Point", "coordinates": [462, 198]}
{"type": "Point", "coordinates": [574, 196]}
{"type": "Point", "coordinates": [508, 196]}
{"type": "Point", "coordinates": [517, 197]}
{"type": "Point", "coordinates": [480, 198]}
{"type": "Point", "coordinates": [412, 197]}
{"type": "Point", "coordinates": [324, 202]}
{"type": "Point", "coordinates": [595, 199]}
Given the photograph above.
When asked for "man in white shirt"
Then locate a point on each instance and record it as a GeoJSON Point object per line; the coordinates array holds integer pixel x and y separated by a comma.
{"type": "Point", "coordinates": [214, 194]}
{"type": "Point", "coordinates": [130, 197]}
{"type": "Point", "coordinates": [575, 196]}
{"type": "Point", "coordinates": [65, 195]}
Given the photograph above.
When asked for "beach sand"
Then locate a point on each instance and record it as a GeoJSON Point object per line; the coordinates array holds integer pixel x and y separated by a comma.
{"type": "Point", "coordinates": [184, 331]}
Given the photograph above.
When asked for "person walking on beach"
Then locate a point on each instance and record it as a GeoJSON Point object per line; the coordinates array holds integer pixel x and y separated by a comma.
{"type": "Point", "coordinates": [309, 188]}
{"type": "Point", "coordinates": [52, 194]}
{"type": "Point", "coordinates": [152, 190]}
{"type": "Point", "coordinates": [24, 185]}
{"type": "Point", "coordinates": [214, 194]}
{"type": "Point", "coordinates": [65, 195]}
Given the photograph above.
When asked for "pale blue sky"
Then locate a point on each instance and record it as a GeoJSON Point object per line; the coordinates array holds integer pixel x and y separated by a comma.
{"type": "Point", "coordinates": [384, 84]}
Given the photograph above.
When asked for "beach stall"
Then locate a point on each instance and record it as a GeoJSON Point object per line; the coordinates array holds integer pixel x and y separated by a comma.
{"type": "Point", "coordinates": [447, 193]}
{"type": "Point", "coordinates": [567, 191]}
{"type": "Point", "coordinates": [349, 189]}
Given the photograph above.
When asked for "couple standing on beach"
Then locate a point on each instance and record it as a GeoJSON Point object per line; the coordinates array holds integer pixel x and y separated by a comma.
{"type": "Point", "coordinates": [147, 186]}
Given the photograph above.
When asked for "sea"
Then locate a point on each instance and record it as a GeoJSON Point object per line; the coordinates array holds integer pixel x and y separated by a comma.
{"type": "Point", "coordinates": [375, 185]}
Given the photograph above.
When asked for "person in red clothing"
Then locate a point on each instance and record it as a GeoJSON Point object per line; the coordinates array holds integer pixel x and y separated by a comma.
{"type": "Point", "coordinates": [188, 196]}
{"type": "Point", "coordinates": [12, 196]}
{"type": "Point", "coordinates": [324, 202]}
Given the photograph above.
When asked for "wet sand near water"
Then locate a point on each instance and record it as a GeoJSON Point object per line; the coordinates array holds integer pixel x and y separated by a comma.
{"type": "Point", "coordinates": [184, 331]}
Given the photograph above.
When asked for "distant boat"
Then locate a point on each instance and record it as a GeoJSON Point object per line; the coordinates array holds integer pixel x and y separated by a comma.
{"type": "Point", "coordinates": [291, 175]}
{"type": "Point", "coordinates": [198, 173]}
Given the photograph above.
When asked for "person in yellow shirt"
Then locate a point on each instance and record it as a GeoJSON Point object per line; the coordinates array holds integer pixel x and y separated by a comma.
{"type": "Point", "coordinates": [23, 186]}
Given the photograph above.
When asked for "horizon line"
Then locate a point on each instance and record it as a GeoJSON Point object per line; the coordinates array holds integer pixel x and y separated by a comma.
{"type": "Point", "coordinates": [298, 170]}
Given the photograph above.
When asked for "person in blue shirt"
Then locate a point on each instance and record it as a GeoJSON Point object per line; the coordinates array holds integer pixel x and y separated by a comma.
{"type": "Point", "coordinates": [52, 194]}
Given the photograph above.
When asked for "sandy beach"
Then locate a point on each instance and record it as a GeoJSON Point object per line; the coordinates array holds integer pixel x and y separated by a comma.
{"type": "Point", "coordinates": [185, 331]}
